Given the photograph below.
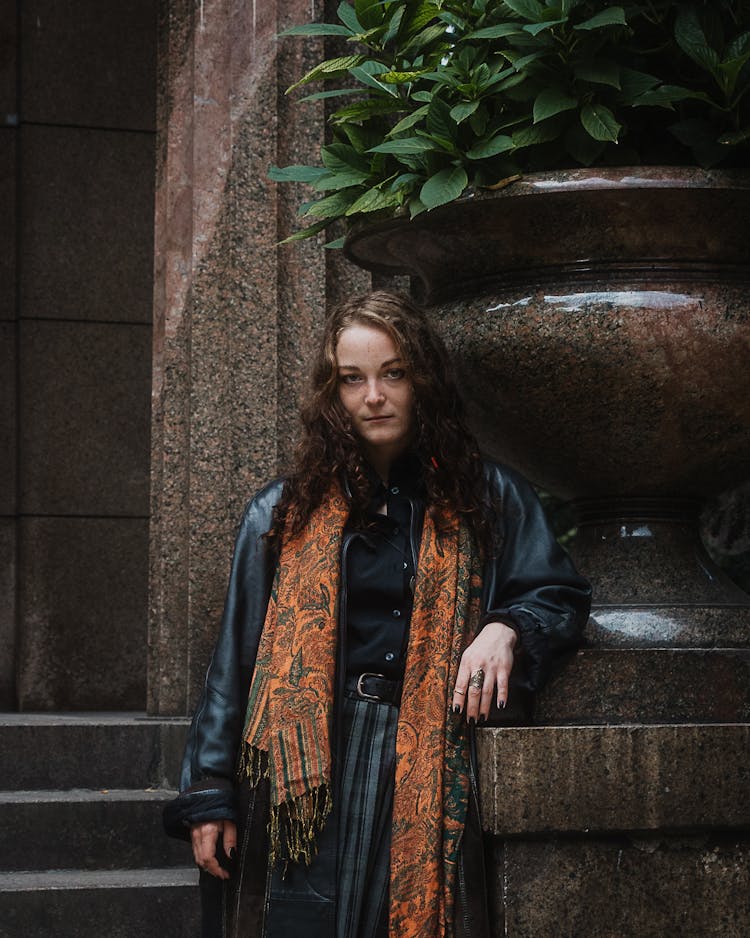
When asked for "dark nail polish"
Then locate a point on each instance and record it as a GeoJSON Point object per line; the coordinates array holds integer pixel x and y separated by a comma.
{"type": "Point", "coordinates": [502, 705]}
{"type": "Point", "coordinates": [456, 708]}
{"type": "Point", "coordinates": [472, 721]}
{"type": "Point", "coordinates": [482, 719]}
{"type": "Point", "coordinates": [232, 853]}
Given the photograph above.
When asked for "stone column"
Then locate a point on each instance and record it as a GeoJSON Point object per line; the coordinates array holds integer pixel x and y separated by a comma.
{"type": "Point", "coordinates": [234, 313]}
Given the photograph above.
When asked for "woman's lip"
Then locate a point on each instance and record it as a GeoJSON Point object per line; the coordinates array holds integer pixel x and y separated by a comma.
{"type": "Point", "coordinates": [383, 417]}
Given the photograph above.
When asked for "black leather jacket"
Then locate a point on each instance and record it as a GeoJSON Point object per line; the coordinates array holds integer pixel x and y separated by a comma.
{"type": "Point", "coordinates": [530, 583]}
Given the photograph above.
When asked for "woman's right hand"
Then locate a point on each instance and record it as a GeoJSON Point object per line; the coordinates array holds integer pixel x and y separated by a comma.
{"type": "Point", "coordinates": [205, 838]}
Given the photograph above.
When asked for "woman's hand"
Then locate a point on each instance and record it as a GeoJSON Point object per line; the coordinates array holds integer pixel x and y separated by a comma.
{"type": "Point", "coordinates": [492, 652]}
{"type": "Point", "coordinates": [205, 838]}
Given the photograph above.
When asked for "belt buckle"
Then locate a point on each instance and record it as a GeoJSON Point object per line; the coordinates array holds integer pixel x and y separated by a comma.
{"type": "Point", "coordinates": [361, 678]}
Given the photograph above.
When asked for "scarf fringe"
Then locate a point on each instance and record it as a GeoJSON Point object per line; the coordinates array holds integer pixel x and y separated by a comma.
{"type": "Point", "coordinates": [293, 825]}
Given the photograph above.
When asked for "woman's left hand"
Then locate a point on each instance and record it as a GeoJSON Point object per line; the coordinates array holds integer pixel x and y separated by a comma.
{"type": "Point", "coordinates": [492, 652]}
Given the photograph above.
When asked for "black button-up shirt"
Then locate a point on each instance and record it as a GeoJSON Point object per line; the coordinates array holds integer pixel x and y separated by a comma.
{"type": "Point", "coordinates": [380, 571]}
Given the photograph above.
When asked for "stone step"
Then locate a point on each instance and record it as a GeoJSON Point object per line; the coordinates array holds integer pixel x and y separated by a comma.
{"type": "Point", "coordinates": [115, 903]}
{"type": "Point", "coordinates": [679, 778]}
{"type": "Point", "coordinates": [115, 829]}
{"type": "Point", "coordinates": [90, 750]}
{"type": "Point", "coordinates": [606, 686]}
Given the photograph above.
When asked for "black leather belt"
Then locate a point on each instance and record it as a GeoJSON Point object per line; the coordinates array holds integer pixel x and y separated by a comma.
{"type": "Point", "coordinates": [375, 687]}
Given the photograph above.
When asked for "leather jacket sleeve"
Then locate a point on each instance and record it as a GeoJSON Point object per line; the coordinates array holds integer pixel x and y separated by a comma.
{"type": "Point", "coordinates": [531, 583]}
{"type": "Point", "coordinates": [209, 762]}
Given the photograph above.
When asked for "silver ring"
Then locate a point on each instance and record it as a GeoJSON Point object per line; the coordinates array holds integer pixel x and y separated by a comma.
{"type": "Point", "coordinates": [477, 679]}
{"type": "Point", "coordinates": [461, 692]}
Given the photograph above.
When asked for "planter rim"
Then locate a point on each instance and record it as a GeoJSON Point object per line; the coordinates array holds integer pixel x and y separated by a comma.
{"type": "Point", "coordinates": [367, 244]}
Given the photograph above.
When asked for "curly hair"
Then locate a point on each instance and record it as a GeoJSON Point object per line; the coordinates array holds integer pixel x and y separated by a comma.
{"type": "Point", "coordinates": [447, 450]}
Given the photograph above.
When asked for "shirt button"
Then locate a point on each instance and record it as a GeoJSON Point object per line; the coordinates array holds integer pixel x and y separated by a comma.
{"type": "Point", "coordinates": [389, 656]}
{"type": "Point", "coordinates": [396, 531]}
{"type": "Point", "coordinates": [395, 490]}
{"type": "Point", "coordinates": [396, 613]}
{"type": "Point", "coordinates": [405, 565]}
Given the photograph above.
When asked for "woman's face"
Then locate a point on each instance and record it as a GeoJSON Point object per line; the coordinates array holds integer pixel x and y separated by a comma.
{"type": "Point", "coordinates": [376, 392]}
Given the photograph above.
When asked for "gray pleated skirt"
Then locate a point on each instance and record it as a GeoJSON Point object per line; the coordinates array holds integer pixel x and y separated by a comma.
{"type": "Point", "coordinates": [344, 892]}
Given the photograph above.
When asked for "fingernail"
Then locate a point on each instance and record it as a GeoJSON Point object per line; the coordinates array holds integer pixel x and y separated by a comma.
{"type": "Point", "coordinates": [232, 853]}
{"type": "Point", "coordinates": [482, 718]}
{"type": "Point", "coordinates": [502, 705]}
{"type": "Point", "coordinates": [472, 721]}
{"type": "Point", "coordinates": [456, 708]}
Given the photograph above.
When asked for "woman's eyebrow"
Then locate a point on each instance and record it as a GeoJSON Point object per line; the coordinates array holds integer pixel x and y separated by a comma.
{"type": "Point", "coordinates": [390, 361]}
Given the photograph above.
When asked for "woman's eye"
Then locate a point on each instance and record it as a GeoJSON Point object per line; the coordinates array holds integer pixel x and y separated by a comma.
{"type": "Point", "coordinates": [349, 379]}
{"type": "Point", "coordinates": [395, 374]}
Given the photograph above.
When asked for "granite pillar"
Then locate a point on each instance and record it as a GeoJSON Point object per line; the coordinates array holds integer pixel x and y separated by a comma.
{"type": "Point", "coordinates": [235, 313]}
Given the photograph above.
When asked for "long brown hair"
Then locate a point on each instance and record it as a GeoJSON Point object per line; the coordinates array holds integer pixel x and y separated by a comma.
{"type": "Point", "coordinates": [448, 453]}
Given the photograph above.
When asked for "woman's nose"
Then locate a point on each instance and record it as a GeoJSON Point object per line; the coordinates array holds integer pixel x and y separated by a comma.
{"type": "Point", "coordinates": [374, 394]}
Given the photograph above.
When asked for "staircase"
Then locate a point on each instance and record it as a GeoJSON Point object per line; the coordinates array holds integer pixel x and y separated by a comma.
{"type": "Point", "coordinates": [82, 851]}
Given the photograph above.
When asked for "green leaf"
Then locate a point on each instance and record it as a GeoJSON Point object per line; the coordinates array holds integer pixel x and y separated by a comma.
{"type": "Point", "coordinates": [738, 47]}
{"type": "Point", "coordinates": [612, 16]}
{"type": "Point", "coordinates": [404, 145]}
{"type": "Point", "coordinates": [736, 137]}
{"type": "Point", "coordinates": [416, 207]}
{"type": "Point", "coordinates": [365, 110]}
{"type": "Point", "coordinates": [395, 24]}
{"type": "Point", "coordinates": [439, 121]}
{"type": "Point", "coordinates": [405, 180]}
{"type": "Point", "coordinates": [370, 13]}
{"type": "Point", "coordinates": [334, 93]}
{"type": "Point", "coordinates": [423, 97]}
{"type": "Point", "coordinates": [308, 232]}
{"type": "Point", "coordinates": [599, 72]}
{"type": "Point", "coordinates": [343, 180]}
{"type": "Point", "coordinates": [634, 83]}
{"type": "Point", "coordinates": [400, 78]}
{"type": "Point", "coordinates": [316, 29]}
{"type": "Point", "coordinates": [538, 133]}
{"type": "Point", "coordinates": [530, 9]}
{"type": "Point", "coordinates": [336, 244]}
{"type": "Point", "coordinates": [420, 17]}
{"type": "Point", "coordinates": [582, 147]}
{"type": "Point", "coordinates": [535, 28]}
{"type": "Point", "coordinates": [348, 16]}
{"type": "Point", "coordinates": [600, 122]}
{"type": "Point", "coordinates": [334, 205]}
{"type": "Point", "coordinates": [667, 95]}
{"type": "Point", "coordinates": [424, 39]}
{"type": "Point", "coordinates": [373, 201]}
{"type": "Point", "coordinates": [461, 111]}
{"type": "Point", "coordinates": [493, 32]}
{"type": "Point", "coordinates": [296, 173]}
{"type": "Point", "coordinates": [443, 187]}
{"type": "Point", "coordinates": [519, 63]}
{"type": "Point", "coordinates": [552, 101]}
{"type": "Point", "coordinates": [329, 68]}
{"type": "Point", "coordinates": [406, 122]}
{"type": "Point", "coordinates": [690, 37]}
{"type": "Point", "coordinates": [497, 144]}
{"type": "Point", "coordinates": [341, 158]}
{"type": "Point", "coordinates": [366, 74]}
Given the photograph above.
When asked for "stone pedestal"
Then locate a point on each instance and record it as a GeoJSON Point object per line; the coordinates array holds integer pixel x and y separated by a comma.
{"type": "Point", "coordinates": [603, 345]}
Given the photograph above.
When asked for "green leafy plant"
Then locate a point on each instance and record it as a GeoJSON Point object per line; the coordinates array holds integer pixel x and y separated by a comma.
{"type": "Point", "coordinates": [441, 96]}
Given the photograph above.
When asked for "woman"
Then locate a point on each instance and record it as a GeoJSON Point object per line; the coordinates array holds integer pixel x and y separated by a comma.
{"type": "Point", "coordinates": [376, 604]}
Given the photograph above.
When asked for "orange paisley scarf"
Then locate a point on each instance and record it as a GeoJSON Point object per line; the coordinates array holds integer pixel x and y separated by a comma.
{"type": "Point", "coordinates": [290, 708]}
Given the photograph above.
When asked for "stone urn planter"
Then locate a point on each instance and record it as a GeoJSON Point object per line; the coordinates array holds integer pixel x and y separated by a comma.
{"type": "Point", "coordinates": [600, 320]}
